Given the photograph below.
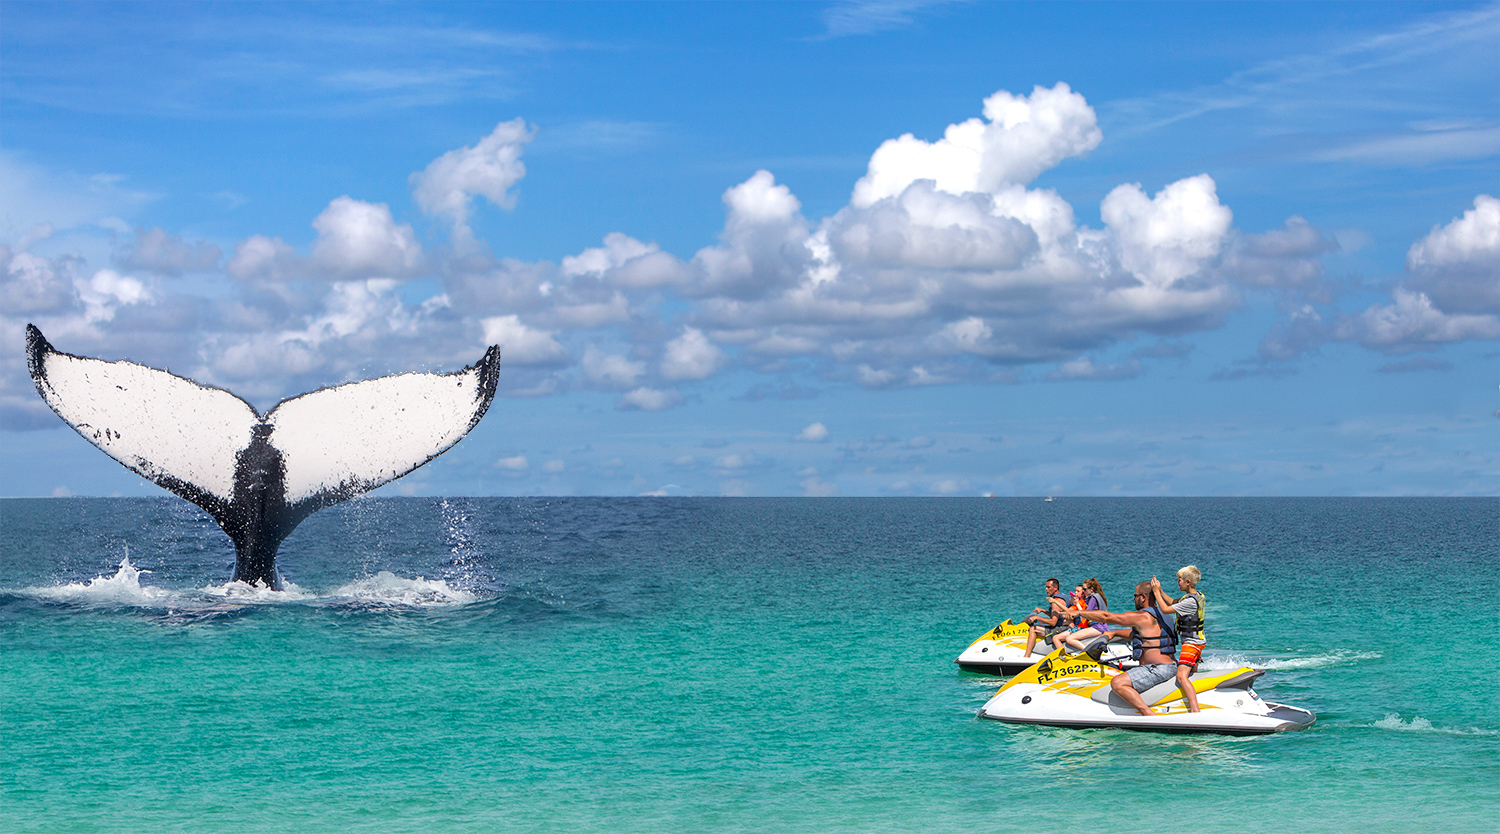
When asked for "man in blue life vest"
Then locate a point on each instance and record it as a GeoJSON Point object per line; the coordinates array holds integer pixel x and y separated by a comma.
{"type": "Point", "coordinates": [1046, 622]}
{"type": "Point", "coordinates": [1152, 643]}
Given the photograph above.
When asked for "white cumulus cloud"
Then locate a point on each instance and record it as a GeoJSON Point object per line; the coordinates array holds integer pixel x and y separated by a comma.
{"type": "Point", "coordinates": [361, 240]}
{"type": "Point", "coordinates": [1171, 235]}
{"type": "Point", "coordinates": [489, 169]}
{"type": "Point", "coordinates": [610, 370]}
{"type": "Point", "coordinates": [1458, 265]}
{"type": "Point", "coordinates": [1084, 368]}
{"type": "Point", "coordinates": [690, 356]}
{"type": "Point", "coordinates": [1451, 292]}
{"type": "Point", "coordinates": [763, 247]}
{"type": "Point", "coordinates": [156, 250]}
{"type": "Point", "coordinates": [106, 291]}
{"type": "Point", "coordinates": [648, 399]}
{"type": "Point", "coordinates": [945, 266]}
{"type": "Point", "coordinates": [1018, 138]}
{"type": "Point", "coordinates": [815, 433]}
{"type": "Point", "coordinates": [1411, 322]}
{"type": "Point", "coordinates": [355, 240]}
{"type": "Point", "coordinates": [523, 345]}
{"type": "Point", "coordinates": [31, 285]}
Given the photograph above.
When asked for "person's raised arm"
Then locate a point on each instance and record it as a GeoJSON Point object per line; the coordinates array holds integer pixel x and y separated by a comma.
{"type": "Point", "coordinates": [1161, 599]}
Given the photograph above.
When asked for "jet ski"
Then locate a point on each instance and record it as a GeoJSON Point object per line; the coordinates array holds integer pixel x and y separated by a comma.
{"type": "Point", "coordinates": [1002, 651]}
{"type": "Point", "coordinates": [1072, 690]}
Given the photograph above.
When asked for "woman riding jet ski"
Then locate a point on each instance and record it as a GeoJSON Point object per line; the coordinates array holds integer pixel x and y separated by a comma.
{"type": "Point", "coordinates": [1002, 651]}
{"type": "Point", "coordinates": [1080, 691]}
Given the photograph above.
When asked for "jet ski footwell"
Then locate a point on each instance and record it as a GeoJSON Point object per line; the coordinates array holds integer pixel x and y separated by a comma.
{"type": "Point", "coordinates": [1073, 691]}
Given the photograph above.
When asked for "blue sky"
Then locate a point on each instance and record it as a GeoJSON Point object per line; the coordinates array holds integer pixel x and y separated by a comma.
{"type": "Point", "coordinates": [889, 248]}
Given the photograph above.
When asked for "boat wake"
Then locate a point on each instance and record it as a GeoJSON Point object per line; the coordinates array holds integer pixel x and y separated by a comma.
{"type": "Point", "coordinates": [1213, 660]}
{"type": "Point", "coordinates": [124, 589]}
{"type": "Point", "coordinates": [1418, 724]}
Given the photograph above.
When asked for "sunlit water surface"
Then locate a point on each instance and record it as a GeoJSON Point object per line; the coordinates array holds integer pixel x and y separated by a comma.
{"type": "Point", "coordinates": [724, 665]}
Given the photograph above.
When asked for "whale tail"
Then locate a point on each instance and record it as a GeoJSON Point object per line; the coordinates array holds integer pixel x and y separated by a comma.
{"type": "Point", "coordinates": [260, 476]}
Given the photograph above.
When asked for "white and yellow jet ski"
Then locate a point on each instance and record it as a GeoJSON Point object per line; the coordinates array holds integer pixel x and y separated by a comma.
{"type": "Point", "coordinates": [1002, 651]}
{"type": "Point", "coordinates": [1072, 690]}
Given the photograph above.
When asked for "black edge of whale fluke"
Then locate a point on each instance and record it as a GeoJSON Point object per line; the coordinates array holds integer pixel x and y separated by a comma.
{"type": "Point", "coordinates": [144, 418]}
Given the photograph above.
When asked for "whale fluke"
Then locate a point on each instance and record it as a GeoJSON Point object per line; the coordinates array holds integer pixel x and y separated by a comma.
{"type": "Point", "coordinates": [260, 476]}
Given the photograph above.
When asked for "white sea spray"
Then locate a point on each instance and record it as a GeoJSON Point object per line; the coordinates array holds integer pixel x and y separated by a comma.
{"type": "Point", "coordinates": [1418, 724]}
{"type": "Point", "coordinates": [387, 588]}
{"type": "Point", "coordinates": [121, 588]}
{"type": "Point", "coordinates": [1233, 660]}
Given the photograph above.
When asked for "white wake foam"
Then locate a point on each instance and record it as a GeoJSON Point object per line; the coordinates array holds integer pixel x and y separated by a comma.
{"type": "Point", "coordinates": [1214, 660]}
{"type": "Point", "coordinates": [258, 592]}
{"type": "Point", "coordinates": [389, 589]}
{"type": "Point", "coordinates": [1418, 724]}
{"type": "Point", "coordinates": [124, 589]}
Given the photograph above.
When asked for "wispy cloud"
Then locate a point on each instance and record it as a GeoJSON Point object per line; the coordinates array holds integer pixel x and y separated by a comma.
{"type": "Point", "coordinates": [1418, 147]}
{"type": "Point", "coordinates": [602, 135]}
{"type": "Point", "coordinates": [298, 60]}
{"type": "Point", "coordinates": [867, 17]}
{"type": "Point", "coordinates": [1341, 102]}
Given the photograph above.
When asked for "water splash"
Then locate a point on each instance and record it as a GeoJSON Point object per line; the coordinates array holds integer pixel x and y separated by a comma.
{"type": "Point", "coordinates": [386, 588]}
{"type": "Point", "coordinates": [463, 555]}
{"type": "Point", "coordinates": [258, 592]}
{"type": "Point", "coordinates": [123, 589]}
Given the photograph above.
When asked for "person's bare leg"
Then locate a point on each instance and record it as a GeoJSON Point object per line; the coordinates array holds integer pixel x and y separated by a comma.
{"type": "Point", "coordinates": [1121, 686]}
{"type": "Point", "coordinates": [1186, 686]}
{"type": "Point", "coordinates": [1075, 639]}
{"type": "Point", "coordinates": [1031, 640]}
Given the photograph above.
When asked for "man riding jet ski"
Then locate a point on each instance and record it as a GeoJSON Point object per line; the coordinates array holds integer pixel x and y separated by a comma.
{"type": "Point", "coordinates": [1002, 651]}
{"type": "Point", "coordinates": [1079, 691]}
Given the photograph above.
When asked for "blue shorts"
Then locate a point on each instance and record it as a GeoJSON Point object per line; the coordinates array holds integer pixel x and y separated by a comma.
{"type": "Point", "coordinates": [1143, 678]}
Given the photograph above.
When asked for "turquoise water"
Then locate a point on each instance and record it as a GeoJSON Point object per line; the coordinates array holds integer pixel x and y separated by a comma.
{"type": "Point", "coordinates": [724, 665]}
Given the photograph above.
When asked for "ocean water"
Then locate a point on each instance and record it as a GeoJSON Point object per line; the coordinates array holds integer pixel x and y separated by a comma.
{"type": "Point", "coordinates": [745, 665]}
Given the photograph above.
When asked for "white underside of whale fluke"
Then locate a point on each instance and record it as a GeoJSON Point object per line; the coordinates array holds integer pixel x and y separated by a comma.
{"type": "Point", "coordinates": [332, 444]}
{"type": "Point", "coordinates": [355, 437]}
{"type": "Point", "coordinates": [157, 424]}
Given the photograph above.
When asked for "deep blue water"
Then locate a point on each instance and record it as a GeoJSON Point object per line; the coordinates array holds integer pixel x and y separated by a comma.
{"type": "Point", "coordinates": [758, 665]}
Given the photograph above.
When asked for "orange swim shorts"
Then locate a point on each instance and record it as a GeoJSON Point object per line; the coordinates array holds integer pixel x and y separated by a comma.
{"type": "Point", "coordinates": [1189, 654]}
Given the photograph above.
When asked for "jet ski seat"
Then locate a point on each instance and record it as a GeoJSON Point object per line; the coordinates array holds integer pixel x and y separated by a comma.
{"type": "Point", "coordinates": [1167, 690]}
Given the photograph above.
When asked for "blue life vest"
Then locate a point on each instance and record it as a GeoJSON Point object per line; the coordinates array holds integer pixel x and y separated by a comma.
{"type": "Point", "coordinates": [1166, 640]}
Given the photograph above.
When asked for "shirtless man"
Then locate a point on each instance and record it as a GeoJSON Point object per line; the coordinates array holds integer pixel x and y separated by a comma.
{"type": "Point", "coordinates": [1049, 621]}
{"type": "Point", "coordinates": [1153, 643]}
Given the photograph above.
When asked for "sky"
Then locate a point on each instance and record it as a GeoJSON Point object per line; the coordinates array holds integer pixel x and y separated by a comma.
{"type": "Point", "coordinates": [783, 249]}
